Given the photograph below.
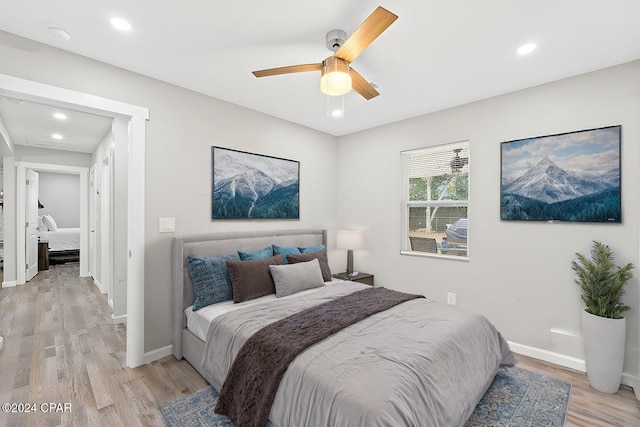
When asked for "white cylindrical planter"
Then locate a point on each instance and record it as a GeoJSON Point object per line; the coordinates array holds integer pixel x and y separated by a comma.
{"type": "Point", "coordinates": [604, 343]}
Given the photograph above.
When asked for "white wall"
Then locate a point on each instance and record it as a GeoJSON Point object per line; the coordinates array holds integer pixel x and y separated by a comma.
{"type": "Point", "coordinates": [59, 193]}
{"type": "Point", "coordinates": [182, 128]}
{"type": "Point", "coordinates": [519, 274]}
{"type": "Point", "coordinates": [24, 153]}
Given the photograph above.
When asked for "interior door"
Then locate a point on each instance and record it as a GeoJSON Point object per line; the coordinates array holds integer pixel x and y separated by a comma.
{"type": "Point", "coordinates": [31, 236]}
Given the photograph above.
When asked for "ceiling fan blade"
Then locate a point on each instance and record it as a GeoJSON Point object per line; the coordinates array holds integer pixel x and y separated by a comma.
{"type": "Point", "coordinates": [288, 70]}
{"type": "Point", "coordinates": [366, 33]}
{"type": "Point", "coordinates": [362, 86]}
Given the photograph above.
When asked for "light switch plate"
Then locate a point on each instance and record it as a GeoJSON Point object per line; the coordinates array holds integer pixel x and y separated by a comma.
{"type": "Point", "coordinates": [167, 225]}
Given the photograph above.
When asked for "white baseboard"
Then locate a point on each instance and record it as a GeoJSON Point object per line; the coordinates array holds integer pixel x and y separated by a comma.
{"type": "Point", "coordinates": [158, 353]}
{"type": "Point", "coordinates": [9, 284]}
{"type": "Point", "coordinates": [632, 382]}
{"type": "Point", "coordinates": [569, 362]}
{"type": "Point", "coordinates": [98, 285]}
{"type": "Point", "coordinates": [119, 319]}
{"type": "Point", "coordinates": [549, 356]}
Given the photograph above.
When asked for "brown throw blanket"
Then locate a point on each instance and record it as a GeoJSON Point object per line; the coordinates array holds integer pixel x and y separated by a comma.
{"type": "Point", "coordinates": [251, 385]}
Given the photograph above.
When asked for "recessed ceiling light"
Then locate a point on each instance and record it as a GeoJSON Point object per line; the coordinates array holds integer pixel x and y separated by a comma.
{"type": "Point", "coordinates": [336, 113]}
{"type": "Point", "coordinates": [56, 136]}
{"type": "Point", "coordinates": [60, 116]}
{"type": "Point", "coordinates": [526, 49]}
{"type": "Point", "coordinates": [120, 24]}
{"type": "Point", "coordinates": [59, 34]}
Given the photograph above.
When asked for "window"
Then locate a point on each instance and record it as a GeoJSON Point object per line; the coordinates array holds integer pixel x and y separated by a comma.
{"type": "Point", "coordinates": [435, 200]}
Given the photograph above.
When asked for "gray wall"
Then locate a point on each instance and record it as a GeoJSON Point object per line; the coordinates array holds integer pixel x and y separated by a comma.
{"type": "Point", "coordinates": [59, 193]}
{"type": "Point", "coordinates": [519, 274]}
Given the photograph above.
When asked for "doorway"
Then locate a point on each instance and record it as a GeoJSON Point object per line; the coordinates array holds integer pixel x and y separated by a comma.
{"type": "Point", "coordinates": [129, 130]}
{"type": "Point", "coordinates": [24, 169]}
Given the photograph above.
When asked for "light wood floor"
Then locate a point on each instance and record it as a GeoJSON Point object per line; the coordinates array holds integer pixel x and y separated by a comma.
{"type": "Point", "coordinates": [61, 347]}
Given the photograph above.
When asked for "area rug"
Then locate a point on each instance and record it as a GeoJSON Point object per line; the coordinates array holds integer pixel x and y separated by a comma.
{"type": "Point", "coordinates": [516, 398]}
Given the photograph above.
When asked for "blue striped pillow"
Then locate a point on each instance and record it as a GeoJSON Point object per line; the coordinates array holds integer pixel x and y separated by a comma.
{"type": "Point", "coordinates": [211, 281]}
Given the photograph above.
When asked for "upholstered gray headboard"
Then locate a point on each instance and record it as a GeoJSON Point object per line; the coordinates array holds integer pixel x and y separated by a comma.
{"type": "Point", "coordinates": [219, 244]}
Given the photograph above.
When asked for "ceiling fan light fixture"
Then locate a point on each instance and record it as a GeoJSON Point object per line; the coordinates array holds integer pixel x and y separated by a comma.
{"type": "Point", "coordinates": [335, 80]}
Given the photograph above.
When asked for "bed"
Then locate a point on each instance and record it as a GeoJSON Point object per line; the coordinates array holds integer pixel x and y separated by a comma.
{"type": "Point", "coordinates": [64, 243]}
{"type": "Point", "coordinates": [418, 363]}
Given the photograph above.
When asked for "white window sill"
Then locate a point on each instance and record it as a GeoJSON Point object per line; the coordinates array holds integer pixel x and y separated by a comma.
{"type": "Point", "coordinates": [437, 256]}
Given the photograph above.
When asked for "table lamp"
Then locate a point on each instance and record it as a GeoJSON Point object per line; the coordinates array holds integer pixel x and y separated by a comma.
{"type": "Point", "coordinates": [350, 240]}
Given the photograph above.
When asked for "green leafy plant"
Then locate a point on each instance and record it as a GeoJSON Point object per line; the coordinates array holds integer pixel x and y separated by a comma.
{"type": "Point", "coordinates": [602, 281]}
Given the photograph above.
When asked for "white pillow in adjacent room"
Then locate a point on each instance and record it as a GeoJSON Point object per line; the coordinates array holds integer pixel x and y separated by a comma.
{"type": "Point", "coordinates": [49, 223]}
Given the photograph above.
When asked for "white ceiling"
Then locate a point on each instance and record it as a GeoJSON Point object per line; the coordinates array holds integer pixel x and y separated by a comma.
{"type": "Point", "coordinates": [34, 125]}
{"type": "Point", "coordinates": [438, 54]}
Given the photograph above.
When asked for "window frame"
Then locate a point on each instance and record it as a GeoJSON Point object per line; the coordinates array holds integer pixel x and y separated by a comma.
{"type": "Point", "coordinates": [408, 204]}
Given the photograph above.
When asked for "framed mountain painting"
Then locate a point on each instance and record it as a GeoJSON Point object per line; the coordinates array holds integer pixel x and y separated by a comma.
{"type": "Point", "coordinates": [571, 176]}
{"type": "Point", "coordinates": [250, 186]}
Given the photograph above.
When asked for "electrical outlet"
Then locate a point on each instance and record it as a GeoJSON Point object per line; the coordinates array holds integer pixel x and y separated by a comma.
{"type": "Point", "coordinates": [451, 298]}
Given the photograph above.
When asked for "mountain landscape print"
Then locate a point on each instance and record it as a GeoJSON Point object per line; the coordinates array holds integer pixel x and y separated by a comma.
{"type": "Point", "coordinates": [247, 185]}
{"type": "Point", "coordinates": [566, 177]}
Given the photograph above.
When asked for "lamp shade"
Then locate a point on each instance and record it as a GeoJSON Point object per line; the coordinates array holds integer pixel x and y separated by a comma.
{"type": "Point", "coordinates": [335, 79]}
{"type": "Point", "coordinates": [350, 239]}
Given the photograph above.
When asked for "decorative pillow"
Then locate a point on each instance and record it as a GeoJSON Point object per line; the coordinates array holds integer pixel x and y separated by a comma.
{"type": "Point", "coordinates": [284, 251]}
{"type": "Point", "coordinates": [311, 249]}
{"type": "Point", "coordinates": [211, 281]}
{"type": "Point", "coordinates": [49, 223]}
{"type": "Point", "coordinates": [292, 278]}
{"type": "Point", "coordinates": [320, 255]}
{"type": "Point", "coordinates": [252, 256]}
{"type": "Point", "coordinates": [252, 279]}
{"type": "Point", "coordinates": [41, 225]}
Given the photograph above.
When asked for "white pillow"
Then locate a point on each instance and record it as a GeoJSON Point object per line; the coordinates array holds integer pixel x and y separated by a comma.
{"type": "Point", "coordinates": [41, 225]}
{"type": "Point", "coordinates": [49, 223]}
{"type": "Point", "coordinates": [292, 278]}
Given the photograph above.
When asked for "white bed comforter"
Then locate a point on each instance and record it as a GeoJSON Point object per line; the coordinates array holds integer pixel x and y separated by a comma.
{"type": "Point", "coordinates": [421, 363]}
{"type": "Point", "coordinates": [63, 239]}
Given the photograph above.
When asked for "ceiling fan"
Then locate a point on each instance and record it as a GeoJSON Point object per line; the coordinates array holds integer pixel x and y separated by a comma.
{"type": "Point", "coordinates": [457, 163]}
{"type": "Point", "coordinates": [337, 76]}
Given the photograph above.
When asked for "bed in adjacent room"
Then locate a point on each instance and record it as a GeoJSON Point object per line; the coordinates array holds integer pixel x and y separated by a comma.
{"type": "Point", "coordinates": [64, 243]}
{"type": "Point", "coordinates": [416, 362]}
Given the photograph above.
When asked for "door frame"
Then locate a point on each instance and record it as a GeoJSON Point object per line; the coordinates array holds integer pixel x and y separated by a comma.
{"type": "Point", "coordinates": [21, 173]}
{"type": "Point", "coordinates": [136, 117]}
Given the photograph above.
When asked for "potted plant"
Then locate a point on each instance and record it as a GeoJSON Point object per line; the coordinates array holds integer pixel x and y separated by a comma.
{"type": "Point", "coordinates": [602, 284]}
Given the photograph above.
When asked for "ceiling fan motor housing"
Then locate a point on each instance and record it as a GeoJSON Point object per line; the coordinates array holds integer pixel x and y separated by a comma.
{"type": "Point", "coordinates": [335, 39]}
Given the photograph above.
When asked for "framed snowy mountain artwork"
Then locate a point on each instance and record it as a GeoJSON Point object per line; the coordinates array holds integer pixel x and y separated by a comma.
{"type": "Point", "coordinates": [254, 186]}
{"type": "Point", "coordinates": [571, 176]}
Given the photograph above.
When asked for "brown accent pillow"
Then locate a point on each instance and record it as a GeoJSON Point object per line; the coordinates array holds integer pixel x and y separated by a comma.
{"type": "Point", "coordinates": [252, 279]}
{"type": "Point", "coordinates": [321, 256]}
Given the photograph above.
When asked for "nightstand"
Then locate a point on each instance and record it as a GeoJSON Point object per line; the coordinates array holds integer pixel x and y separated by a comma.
{"type": "Point", "coordinates": [365, 278]}
{"type": "Point", "coordinates": [43, 255]}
